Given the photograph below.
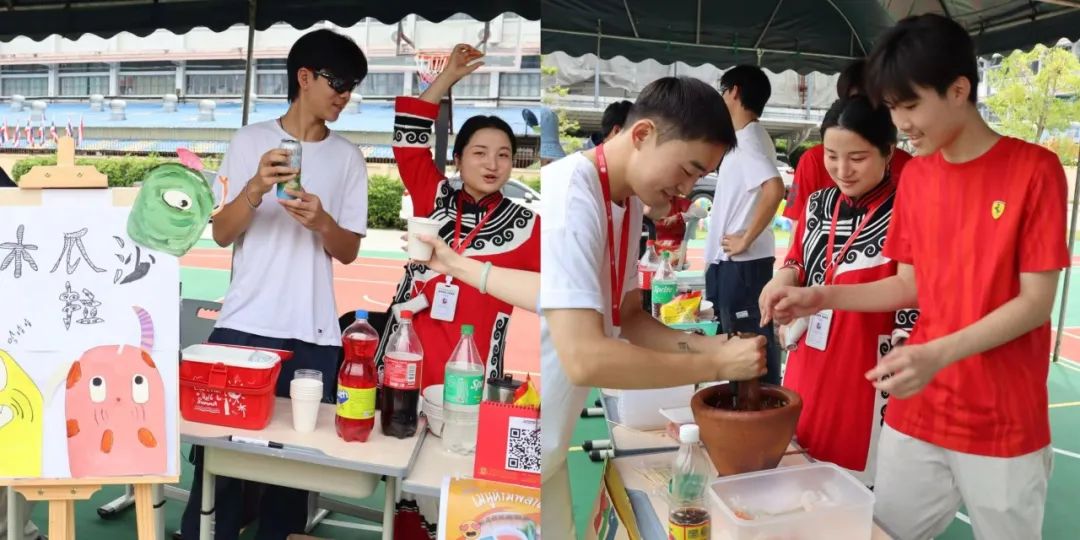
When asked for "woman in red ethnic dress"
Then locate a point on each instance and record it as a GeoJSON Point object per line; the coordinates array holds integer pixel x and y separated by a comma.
{"type": "Point", "coordinates": [842, 412]}
{"type": "Point", "coordinates": [476, 220]}
{"type": "Point", "coordinates": [670, 229]}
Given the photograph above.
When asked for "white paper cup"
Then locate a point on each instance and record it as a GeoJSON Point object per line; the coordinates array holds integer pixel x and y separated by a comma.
{"type": "Point", "coordinates": [305, 412]}
{"type": "Point", "coordinates": [419, 251]}
{"type": "Point", "coordinates": [306, 393]}
{"type": "Point", "coordinates": [308, 374]}
{"type": "Point", "coordinates": [306, 387]}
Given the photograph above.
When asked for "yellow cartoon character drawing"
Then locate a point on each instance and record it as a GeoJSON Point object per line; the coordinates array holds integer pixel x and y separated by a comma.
{"type": "Point", "coordinates": [21, 432]}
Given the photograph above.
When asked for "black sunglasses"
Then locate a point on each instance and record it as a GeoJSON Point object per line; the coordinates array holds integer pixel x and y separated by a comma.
{"type": "Point", "coordinates": [339, 84]}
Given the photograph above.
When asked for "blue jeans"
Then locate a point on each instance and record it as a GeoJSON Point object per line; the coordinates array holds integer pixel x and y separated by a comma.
{"type": "Point", "coordinates": [733, 287]}
{"type": "Point", "coordinates": [282, 510]}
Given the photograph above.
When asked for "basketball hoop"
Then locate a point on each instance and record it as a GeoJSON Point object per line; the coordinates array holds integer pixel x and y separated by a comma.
{"type": "Point", "coordinates": [429, 64]}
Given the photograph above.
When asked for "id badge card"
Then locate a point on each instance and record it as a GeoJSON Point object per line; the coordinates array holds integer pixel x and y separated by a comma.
{"type": "Point", "coordinates": [817, 335]}
{"type": "Point", "coordinates": [444, 305]}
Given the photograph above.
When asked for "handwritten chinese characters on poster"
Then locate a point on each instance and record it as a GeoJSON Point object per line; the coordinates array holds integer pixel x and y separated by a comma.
{"type": "Point", "coordinates": [89, 334]}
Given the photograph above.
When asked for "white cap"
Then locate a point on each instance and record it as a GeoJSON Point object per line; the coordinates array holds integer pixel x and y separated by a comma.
{"type": "Point", "coordinates": [689, 433]}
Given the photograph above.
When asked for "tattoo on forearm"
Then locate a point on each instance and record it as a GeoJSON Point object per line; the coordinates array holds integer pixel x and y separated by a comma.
{"type": "Point", "coordinates": [685, 347]}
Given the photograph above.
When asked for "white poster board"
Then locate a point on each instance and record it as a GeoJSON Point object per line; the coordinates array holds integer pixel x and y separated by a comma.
{"type": "Point", "coordinates": [90, 339]}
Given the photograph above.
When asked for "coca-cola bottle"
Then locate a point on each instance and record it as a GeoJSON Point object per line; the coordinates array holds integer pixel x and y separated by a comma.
{"type": "Point", "coordinates": [647, 266]}
{"type": "Point", "coordinates": [402, 370]}
{"type": "Point", "coordinates": [356, 381]}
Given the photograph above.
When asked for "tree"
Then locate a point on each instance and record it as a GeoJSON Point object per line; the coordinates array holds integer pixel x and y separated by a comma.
{"type": "Point", "coordinates": [1036, 93]}
{"type": "Point", "coordinates": [566, 126]}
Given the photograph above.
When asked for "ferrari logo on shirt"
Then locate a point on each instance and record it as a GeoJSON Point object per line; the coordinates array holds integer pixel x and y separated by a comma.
{"type": "Point", "coordinates": [997, 209]}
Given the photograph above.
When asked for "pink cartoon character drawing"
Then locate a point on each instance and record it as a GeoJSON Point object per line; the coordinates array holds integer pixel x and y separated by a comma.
{"type": "Point", "coordinates": [115, 410]}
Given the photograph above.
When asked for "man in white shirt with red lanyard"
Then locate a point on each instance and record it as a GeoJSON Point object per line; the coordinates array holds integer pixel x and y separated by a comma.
{"type": "Point", "coordinates": [677, 131]}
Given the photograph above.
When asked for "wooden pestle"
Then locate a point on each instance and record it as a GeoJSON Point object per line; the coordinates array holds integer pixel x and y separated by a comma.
{"type": "Point", "coordinates": [748, 393]}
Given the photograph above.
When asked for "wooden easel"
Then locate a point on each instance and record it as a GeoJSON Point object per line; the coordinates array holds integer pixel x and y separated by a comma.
{"type": "Point", "coordinates": [62, 494]}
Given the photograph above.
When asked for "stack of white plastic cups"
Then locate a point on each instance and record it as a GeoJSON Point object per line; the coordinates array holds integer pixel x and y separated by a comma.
{"type": "Point", "coordinates": [306, 393]}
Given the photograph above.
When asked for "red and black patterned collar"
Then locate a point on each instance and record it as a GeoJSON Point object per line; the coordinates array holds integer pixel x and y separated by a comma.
{"type": "Point", "coordinates": [850, 207]}
{"type": "Point", "coordinates": [486, 203]}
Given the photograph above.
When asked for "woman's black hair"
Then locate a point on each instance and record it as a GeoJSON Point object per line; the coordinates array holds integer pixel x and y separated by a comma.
{"type": "Point", "coordinates": [851, 79]}
{"type": "Point", "coordinates": [858, 114]}
{"type": "Point", "coordinates": [476, 123]}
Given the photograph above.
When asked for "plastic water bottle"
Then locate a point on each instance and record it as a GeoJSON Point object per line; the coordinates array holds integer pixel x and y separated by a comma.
{"type": "Point", "coordinates": [462, 390]}
{"type": "Point", "coordinates": [688, 511]}
{"type": "Point", "coordinates": [356, 381]}
{"type": "Point", "coordinates": [664, 285]}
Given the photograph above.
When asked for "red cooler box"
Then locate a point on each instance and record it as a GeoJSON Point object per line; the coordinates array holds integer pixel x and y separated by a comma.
{"type": "Point", "coordinates": [229, 386]}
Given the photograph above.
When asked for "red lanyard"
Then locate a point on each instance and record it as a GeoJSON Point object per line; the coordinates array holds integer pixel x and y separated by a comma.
{"type": "Point", "coordinates": [462, 244]}
{"type": "Point", "coordinates": [617, 278]}
{"type": "Point", "coordinates": [830, 263]}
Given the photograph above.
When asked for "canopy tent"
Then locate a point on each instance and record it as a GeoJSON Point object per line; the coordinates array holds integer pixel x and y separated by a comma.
{"type": "Point", "coordinates": [803, 35]}
{"type": "Point", "coordinates": [38, 19]}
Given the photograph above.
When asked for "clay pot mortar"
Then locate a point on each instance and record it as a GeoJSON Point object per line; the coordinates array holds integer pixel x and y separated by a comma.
{"type": "Point", "coordinates": [740, 441]}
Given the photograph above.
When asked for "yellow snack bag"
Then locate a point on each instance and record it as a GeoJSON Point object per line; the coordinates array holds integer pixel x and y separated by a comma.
{"type": "Point", "coordinates": [682, 309]}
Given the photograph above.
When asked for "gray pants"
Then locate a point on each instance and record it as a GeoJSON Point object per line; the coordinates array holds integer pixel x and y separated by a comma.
{"type": "Point", "coordinates": [920, 487]}
{"type": "Point", "coordinates": [30, 531]}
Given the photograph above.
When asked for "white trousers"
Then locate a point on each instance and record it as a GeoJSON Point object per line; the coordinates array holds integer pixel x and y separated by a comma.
{"type": "Point", "coordinates": [920, 487]}
{"type": "Point", "coordinates": [556, 508]}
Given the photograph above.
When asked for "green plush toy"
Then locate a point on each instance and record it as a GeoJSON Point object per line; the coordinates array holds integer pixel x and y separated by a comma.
{"type": "Point", "coordinates": [172, 209]}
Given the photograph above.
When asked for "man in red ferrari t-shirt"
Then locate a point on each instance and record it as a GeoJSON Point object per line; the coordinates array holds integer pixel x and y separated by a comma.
{"type": "Point", "coordinates": [810, 173]}
{"type": "Point", "coordinates": [978, 230]}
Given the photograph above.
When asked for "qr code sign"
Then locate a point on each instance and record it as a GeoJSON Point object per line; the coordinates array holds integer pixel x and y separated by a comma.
{"type": "Point", "coordinates": [523, 445]}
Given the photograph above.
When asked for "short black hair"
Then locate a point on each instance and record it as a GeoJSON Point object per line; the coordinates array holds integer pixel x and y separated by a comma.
{"type": "Point", "coordinates": [325, 49]}
{"type": "Point", "coordinates": [923, 50]}
{"type": "Point", "coordinates": [860, 115]}
{"type": "Point", "coordinates": [684, 108]}
{"type": "Point", "coordinates": [476, 123]}
{"type": "Point", "coordinates": [753, 84]}
{"type": "Point", "coordinates": [614, 116]}
{"type": "Point", "coordinates": [851, 79]}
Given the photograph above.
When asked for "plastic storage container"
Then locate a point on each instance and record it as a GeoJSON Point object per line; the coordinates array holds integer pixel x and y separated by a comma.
{"type": "Point", "coordinates": [229, 386]}
{"type": "Point", "coordinates": [786, 503]}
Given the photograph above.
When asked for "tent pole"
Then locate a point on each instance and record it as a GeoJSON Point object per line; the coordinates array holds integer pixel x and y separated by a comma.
{"type": "Point", "coordinates": [249, 68]}
{"type": "Point", "coordinates": [1068, 269]}
{"type": "Point", "coordinates": [442, 132]}
{"type": "Point", "coordinates": [596, 71]}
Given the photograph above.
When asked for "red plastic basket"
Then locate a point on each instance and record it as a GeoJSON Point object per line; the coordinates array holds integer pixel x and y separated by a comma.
{"type": "Point", "coordinates": [218, 387]}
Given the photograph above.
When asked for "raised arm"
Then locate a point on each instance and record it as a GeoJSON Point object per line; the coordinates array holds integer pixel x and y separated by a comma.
{"type": "Point", "coordinates": [457, 67]}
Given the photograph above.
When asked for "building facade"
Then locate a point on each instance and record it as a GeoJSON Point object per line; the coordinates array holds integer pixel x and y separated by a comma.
{"type": "Point", "coordinates": [203, 63]}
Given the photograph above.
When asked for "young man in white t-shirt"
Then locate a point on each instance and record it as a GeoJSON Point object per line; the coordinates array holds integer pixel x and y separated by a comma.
{"type": "Point", "coordinates": [678, 130]}
{"type": "Point", "coordinates": [740, 249]}
{"type": "Point", "coordinates": [282, 293]}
